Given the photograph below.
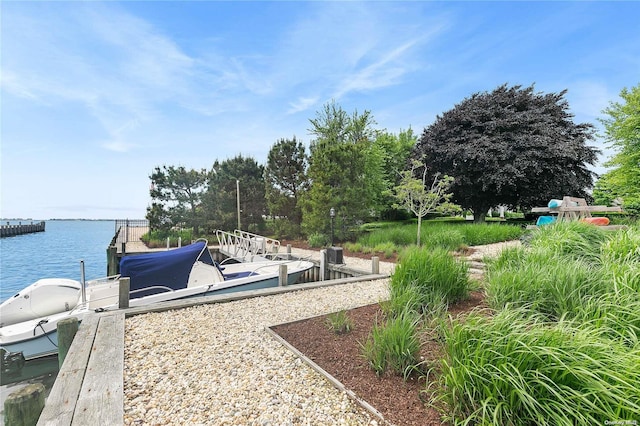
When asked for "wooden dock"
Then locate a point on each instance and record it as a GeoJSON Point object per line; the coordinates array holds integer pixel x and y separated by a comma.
{"type": "Point", "coordinates": [89, 386]}
{"type": "Point", "coordinates": [9, 230]}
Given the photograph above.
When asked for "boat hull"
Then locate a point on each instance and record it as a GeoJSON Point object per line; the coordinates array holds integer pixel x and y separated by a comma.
{"type": "Point", "coordinates": [36, 347]}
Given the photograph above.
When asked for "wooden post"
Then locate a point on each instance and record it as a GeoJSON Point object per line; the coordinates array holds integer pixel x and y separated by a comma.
{"type": "Point", "coordinates": [323, 264]}
{"type": "Point", "coordinates": [282, 276]}
{"type": "Point", "coordinates": [67, 329]}
{"type": "Point", "coordinates": [375, 265]}
{"type": "Point", "coordinates": [112, 260]}
{"type": "Point", "coordinates": [23, 407]}
{"type": "Point", "coordinates": [288, 251]}
{"type": "Point", "coordinates": [123, 295]}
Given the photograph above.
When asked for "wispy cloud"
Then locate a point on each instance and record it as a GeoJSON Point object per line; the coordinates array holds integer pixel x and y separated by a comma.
{"type": "Point", "coordinates": [119, 67]}
{"type": "Point", "coordinates": [302, 104]}
{"type": "Point", "coordinates": [385, 71]}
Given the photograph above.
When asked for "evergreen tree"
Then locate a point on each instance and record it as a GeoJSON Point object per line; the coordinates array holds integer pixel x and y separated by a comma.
{"type": "Point", "coordinates": [176, 194]}
{"type": "Point", "coordinates": [285, 178]}
{"type": "Point", "coordinates": [232, 179]}
{"type": "Point", "coordinates": [337, 171]}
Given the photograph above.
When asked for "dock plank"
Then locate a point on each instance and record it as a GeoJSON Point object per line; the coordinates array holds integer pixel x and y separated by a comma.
{"type": "Point", "coordinates": [102, 395]}
{"type": "Point", "coordinates": [61, 402]}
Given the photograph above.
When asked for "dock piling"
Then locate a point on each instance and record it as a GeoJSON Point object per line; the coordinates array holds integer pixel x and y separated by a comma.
{"type": "Point", "coordinates": [375, 265]}
{"type": "Point", "coordinates": [123, 295]}
{"type": "Point", "coordinates": [67, 329]}
{"type": "Point", "coordinates": [282, 276]}
{"type": "Point", "coordinates": [23, 407]}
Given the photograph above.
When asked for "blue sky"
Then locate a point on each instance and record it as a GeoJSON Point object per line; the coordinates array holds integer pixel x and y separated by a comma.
{"type": "Point", "coordinates": [95, 95]}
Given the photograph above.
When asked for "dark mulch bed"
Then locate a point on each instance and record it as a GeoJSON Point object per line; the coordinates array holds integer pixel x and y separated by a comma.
{"type": "Point", "coordinates": [399, 401]}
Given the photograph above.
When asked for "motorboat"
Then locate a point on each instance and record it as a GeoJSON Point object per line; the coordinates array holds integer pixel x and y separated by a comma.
{"type": "Point", "coordinates": [28, 320]}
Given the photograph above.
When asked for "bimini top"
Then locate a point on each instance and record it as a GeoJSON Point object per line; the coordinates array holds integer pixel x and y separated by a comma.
{"type": "Point", "coordinates": [164, 268]}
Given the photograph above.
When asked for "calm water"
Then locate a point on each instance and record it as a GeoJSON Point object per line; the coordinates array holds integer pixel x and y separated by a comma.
{"type": "Point", "coordinates": [55, 253]}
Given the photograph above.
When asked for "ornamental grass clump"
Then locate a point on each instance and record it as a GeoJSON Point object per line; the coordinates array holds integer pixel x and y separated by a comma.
{"type": "Point", "coordinates": [615, 315]}
{"type": "Point", "coordinates": [447, 237]}
{"type": "Point", "coordinates": [602, 288]}
{"type": "Point", "coordinates": [429, 275]}
{"type": "Point", "coordinates": [394, 344]}
{"type": "Point", "coordinates": [576, 239]}
{"type": "Point", "coordinates": [339, 322]}
{"type": "Point", "coordinates": [548, 284]}
{"type": "Point", "coordinates": [519, 369]}
{"type": "Point", "coordinates": [622, 247]}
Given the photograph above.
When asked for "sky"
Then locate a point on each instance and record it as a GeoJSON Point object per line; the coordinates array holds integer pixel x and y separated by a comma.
{"type": "Point", "coordinates": [95, 95]}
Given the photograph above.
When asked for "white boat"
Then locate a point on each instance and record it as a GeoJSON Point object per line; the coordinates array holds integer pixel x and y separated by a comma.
{"type": "Point", "coordinates": [28, 320]}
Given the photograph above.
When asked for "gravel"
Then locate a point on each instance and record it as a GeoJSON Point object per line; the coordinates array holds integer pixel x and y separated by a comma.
{"type": "Point", "coordinates": [215, 364]}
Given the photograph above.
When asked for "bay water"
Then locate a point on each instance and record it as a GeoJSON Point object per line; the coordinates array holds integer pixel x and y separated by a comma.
{"type": "Point", "coordinates": [54, 253]}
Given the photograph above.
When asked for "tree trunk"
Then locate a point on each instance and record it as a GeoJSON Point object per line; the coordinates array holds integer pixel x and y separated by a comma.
{"type": "Point", "coordinates": [480, 216]}
{"type": "Point", "coordinates": [419, 225]}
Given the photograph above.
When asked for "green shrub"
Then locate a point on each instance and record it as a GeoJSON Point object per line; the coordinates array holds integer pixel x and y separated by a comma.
{"type": "Point", "coordinates": [319, 240]}
{"type": "Point", "coordinates": [284, 229]}
{"type": "Point", "coordinates": [158, 238]}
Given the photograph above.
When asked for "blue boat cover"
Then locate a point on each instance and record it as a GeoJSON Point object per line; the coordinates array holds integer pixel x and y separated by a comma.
{"type": "Point", "coordinates": [166, 268]}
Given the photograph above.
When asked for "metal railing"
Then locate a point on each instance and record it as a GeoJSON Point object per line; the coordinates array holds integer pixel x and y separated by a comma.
{"type": "Point", "coordinates": [240, 244]}
{"type": "Point", "coordinates": [130, 230]}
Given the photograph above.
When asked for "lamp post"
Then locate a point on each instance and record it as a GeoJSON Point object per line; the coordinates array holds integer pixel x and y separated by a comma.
{"type": "Point", "coordinates": [238, 201]}
{"type": "Point", "coordinates": [332, 215]}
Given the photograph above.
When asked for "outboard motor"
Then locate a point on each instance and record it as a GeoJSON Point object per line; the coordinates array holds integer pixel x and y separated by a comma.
{"type": "Point", "coordinates": [44, 297]}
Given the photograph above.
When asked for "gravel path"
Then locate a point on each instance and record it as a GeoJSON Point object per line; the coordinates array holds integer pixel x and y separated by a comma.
{"type": "Point", "coordinates": [215, 364]}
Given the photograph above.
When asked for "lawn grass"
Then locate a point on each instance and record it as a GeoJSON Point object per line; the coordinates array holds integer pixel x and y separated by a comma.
{"type": "Point", "coordinates": [393, 238]}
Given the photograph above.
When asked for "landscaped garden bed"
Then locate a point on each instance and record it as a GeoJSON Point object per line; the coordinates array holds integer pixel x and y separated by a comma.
{"type": "Point", "coordinates": [558, 340]}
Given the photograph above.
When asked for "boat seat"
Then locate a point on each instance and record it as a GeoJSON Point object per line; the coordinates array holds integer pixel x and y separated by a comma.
{"type": "Point", "coordinates": [204, 274]}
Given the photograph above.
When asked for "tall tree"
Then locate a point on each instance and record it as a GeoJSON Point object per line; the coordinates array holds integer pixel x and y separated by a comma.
{"type": "Point", "coordinates": [337, 170]}
{"type": "Point", "coordinates": [234, 178]}
{"type": "Point", "coordinates": [395, 152]}
{"type": "Point", "coordinates": [622, 130]}
{"type": "Point", "coordinates": [285, 178]}
{"type": "Point", "coordinates": [511, 146]}
{"type": "Point", "coordinates": [176, 194]}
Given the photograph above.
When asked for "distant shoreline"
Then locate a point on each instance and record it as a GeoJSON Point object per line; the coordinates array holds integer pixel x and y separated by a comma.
{"type": "Point", "coordinates": [39, 220]}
